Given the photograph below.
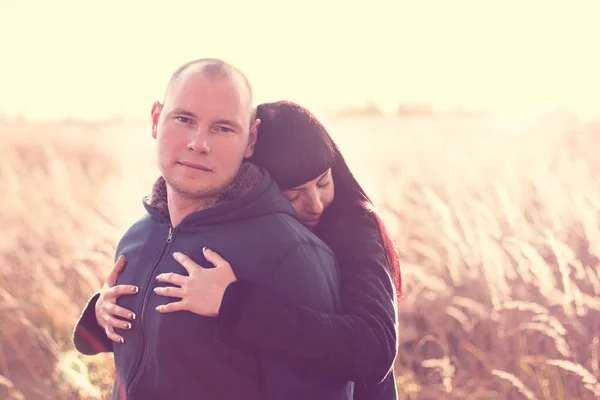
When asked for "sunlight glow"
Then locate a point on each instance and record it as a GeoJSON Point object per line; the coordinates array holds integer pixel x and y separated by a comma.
{"type": "Point", "coordinates": [98, 60]}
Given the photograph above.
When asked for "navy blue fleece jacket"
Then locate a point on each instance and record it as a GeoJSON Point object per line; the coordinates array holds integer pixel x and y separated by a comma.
{"type": "Point", "coordinates": [178, 355]}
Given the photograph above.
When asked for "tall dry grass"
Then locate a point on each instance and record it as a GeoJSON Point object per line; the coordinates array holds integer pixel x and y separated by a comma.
{"type": "Point", "coordinates": [498, 221]}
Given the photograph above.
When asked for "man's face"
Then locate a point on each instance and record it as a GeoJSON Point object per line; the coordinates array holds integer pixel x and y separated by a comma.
{"type": "Point", "coordinates": [203, 133]}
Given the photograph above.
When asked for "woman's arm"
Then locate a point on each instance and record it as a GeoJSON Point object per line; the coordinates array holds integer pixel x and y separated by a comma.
{"type": "Point", "coordinates": [358, 345]}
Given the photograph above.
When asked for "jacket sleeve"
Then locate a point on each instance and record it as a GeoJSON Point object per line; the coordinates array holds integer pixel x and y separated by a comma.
{"type": "Point", "coordinates": [88, 337]}
{"type": "Point", "coordinates": [308, 275]}
{"type": "Point", "coordinates": [359, 344]}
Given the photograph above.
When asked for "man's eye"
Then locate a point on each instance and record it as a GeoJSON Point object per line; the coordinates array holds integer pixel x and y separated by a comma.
{"type": "Point", "coordinates": [183, 120]}
{"type": "Point", "coordinates": [224, 129]}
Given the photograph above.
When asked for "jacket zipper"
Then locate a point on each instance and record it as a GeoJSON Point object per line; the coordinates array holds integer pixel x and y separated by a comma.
{"type": "Point", "coordinates": [139, 364]}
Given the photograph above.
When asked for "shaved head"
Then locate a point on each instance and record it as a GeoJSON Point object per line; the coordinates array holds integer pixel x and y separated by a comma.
{"type": "Point", "coordinates": [215, 68]}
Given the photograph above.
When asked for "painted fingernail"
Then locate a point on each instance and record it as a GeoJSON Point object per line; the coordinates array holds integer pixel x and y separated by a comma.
{"type": "Point", "coordinates": [121, 340]}
{"type": "Point", "coordinates": [134, 289]}
{"type": "Point", "coordinates": [158, 308]}
{"type": "Point", "coordinates": [127, 325]}
{"type": "Point", "coordinates": [131, 316]}
{"type": "Point", "coordinates": [205, 249]}
{"type": "Point", "coordinates": [176, 255]}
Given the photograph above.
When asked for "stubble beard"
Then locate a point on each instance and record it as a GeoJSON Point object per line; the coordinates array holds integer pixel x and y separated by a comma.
{"type": "Point", "coordinates": [201, 195]}
{"type": "Point", "coordinates": [196, 197]}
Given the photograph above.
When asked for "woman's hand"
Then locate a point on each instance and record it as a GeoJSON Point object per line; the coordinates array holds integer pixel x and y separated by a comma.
{"type": "Point", "coordinates": [202, 291]}
{"type": "Point", "coordinates": [107, 308]}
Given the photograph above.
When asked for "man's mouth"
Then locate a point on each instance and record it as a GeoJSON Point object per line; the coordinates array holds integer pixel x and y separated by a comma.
{"type": "Point", "coordinates": [199, 167]}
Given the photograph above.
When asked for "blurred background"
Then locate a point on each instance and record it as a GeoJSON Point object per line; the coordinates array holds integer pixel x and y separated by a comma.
{"type": "Point", "coordinates": [474, 124]}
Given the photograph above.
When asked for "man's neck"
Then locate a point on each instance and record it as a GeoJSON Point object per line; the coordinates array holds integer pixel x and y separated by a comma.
{"type": "Point", "coordinates": [180, 206]}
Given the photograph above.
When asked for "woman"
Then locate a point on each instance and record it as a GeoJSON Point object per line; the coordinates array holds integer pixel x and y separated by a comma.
{"type": "Point", "coordinates": [360, 343]}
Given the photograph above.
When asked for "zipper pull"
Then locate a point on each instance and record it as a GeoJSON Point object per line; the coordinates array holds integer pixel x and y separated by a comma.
{"type": "Point", "coordinates": [170, 237]}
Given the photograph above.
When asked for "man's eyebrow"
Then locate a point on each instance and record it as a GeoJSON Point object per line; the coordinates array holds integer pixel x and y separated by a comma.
{"type": "Point", "coordinates": [181, 111]}
{"type": "Point", "coordinates": [228, 122]}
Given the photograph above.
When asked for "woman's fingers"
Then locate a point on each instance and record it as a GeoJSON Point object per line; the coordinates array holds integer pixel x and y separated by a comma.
{"type": "Point", "coordinates": [170, 291]}
{"type": "Point", "coordinates": [119, 290]}
{"type": "Point", "coordinates": [110, 333]}
{"type": "Point", "coordinates": [114, 309]}
{"type": "Point", "coordinates": [112, 322]}
{"type": "Point", "coordinates": [111, 280]}
{"type": "Point", "coordinates": [106, 307]}
{"type": "Point", "coordinates": [222, 273]}
{"type": "Point", "coordinates": [172, 307]}
{"type": "Point", "coordinates": [109, 322]}
{"type": "Point", "coordinates": [186, 262]}
{"type": "Point", "coordinates": [214, 258]}
{"type": "Point", "coordinates": [172, 278]}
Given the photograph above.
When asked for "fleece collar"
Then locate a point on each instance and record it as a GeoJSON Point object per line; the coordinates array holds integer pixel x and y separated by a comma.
{"type": "Point", "coordinates": [248, 176]}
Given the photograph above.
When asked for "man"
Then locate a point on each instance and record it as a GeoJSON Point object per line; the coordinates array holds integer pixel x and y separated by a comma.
{"type": "Point", "coordinates": [209, 197]}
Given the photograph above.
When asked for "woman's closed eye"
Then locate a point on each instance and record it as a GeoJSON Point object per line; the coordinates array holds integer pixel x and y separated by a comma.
{"type": "Point", "coordinates": [291, 196]}
{"type": "Point", "coordinates": [323, 184]}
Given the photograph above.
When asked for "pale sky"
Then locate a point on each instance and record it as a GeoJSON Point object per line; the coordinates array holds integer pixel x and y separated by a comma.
{"type": "Point", "coordinates": [93, 60]}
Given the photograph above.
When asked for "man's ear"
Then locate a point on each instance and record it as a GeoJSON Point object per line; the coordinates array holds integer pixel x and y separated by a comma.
{"type": "Point", "coordinates": [253, 137]}
{"type": "Point", "coordinates": [155, 113]}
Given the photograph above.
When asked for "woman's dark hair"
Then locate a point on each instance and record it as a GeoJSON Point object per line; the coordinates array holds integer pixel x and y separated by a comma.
{"type": "Point", "coordinates": [292, 144]}
{"type": "Point", "coordinates": [296, 148]}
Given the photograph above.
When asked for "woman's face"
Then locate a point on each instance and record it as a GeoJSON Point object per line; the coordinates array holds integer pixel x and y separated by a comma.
{"type": "Point", "coordinates": [312, 198]}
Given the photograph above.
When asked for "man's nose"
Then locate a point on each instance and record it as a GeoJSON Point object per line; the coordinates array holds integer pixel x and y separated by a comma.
{"type": "Point", "coordinates": [199, 141]}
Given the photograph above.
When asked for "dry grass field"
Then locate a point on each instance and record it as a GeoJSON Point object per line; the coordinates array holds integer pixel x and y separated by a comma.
{"type": "Point", "coordinates": [498, 220]}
